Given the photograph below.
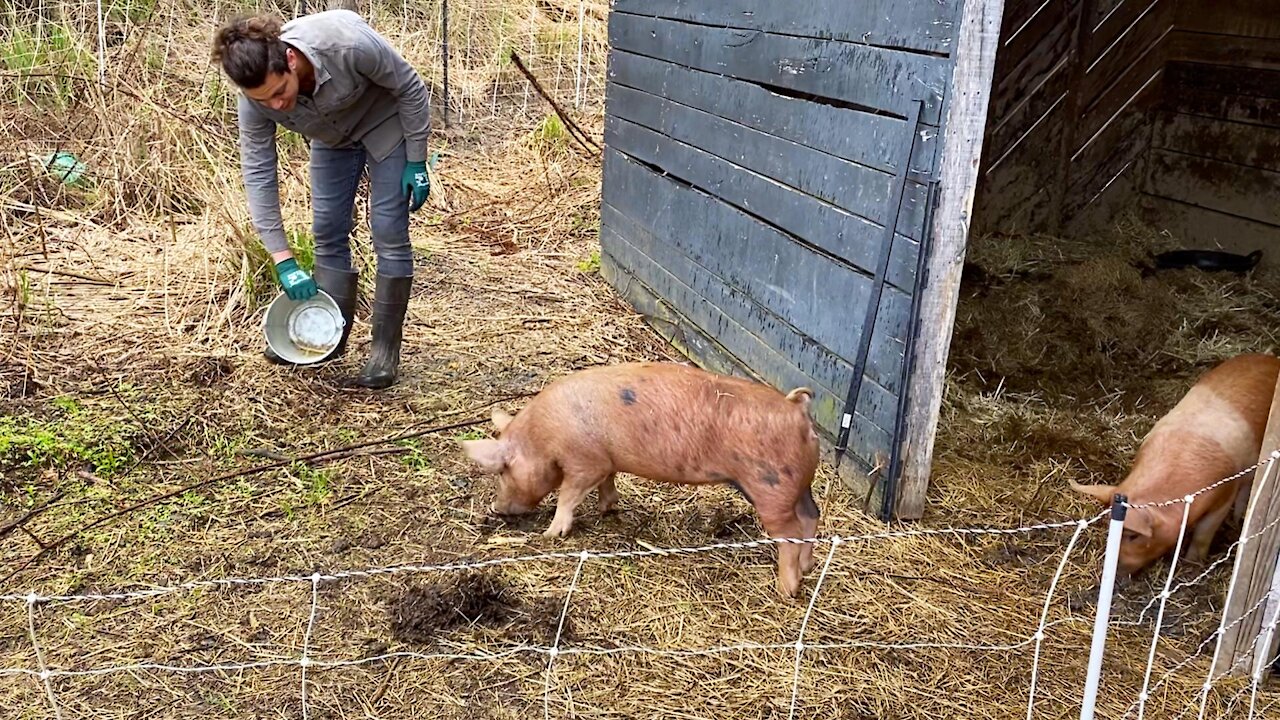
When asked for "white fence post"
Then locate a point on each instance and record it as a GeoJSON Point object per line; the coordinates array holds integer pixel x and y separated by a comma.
{"type": "Point", "coordinates": [1114, 532]}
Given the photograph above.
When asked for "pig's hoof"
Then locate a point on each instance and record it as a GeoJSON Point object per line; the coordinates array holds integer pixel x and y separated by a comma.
{"type": "Point", "coordinates": [555, 531]}
{"type": "Point", "coordinates": [788, 589]}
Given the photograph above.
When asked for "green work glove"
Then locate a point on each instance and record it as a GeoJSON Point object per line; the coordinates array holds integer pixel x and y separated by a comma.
{"type": "Point", "coordinates": [415, 183]}
{"type": "Point", "coordinates": [295, 281]}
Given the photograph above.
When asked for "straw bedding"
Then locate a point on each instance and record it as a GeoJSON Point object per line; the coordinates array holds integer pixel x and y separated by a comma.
{"type": "Point", "coordinates": [135, 369]}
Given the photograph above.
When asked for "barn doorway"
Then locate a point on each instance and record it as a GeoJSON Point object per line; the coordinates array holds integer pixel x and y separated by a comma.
{"type": "Point", "coordinates": [1117, 130]}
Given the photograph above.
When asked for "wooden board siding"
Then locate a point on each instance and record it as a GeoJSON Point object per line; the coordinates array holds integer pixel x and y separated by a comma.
{"type": "Point", "coordinates": [1071, 110]}
{"type": "Point", "coordinates": [1025, 123]}
{"type": "Point", "coordinates": [751, 157]}
{"type": "Point", "coordinates": [1116, 93]}
{"type": "Point", "coordinates": [1214, 164]}
{"type": "Point", "coordinates": [926, 26]}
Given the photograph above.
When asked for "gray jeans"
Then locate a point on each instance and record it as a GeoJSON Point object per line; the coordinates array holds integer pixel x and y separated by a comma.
{"type": "Point", "coordinates": [335, 176]}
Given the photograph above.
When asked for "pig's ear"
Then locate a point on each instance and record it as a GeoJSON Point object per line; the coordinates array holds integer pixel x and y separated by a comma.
{"type": "Point", "coordinates": [489, 454]}
{"type": "Point", "coordinates": [500, 419]}
{"type": "Point", "coordinates": [1101, 493]}
{"type": "Point", "coordinates": [1140, 522]}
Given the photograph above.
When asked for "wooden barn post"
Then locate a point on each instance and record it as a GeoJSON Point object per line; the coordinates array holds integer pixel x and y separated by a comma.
{"type": "Point", "coordinates": [977, 40]}
{"type": "Point", "coordinates": [1255, 569]}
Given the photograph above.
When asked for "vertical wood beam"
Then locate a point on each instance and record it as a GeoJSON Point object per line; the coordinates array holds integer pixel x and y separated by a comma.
{"type": "Point", "coordinates": [1255, 560]}
{"type": "Point", "coordinates": [965, 122]}
{"type": "Point", "coordinates": [1077, 63]}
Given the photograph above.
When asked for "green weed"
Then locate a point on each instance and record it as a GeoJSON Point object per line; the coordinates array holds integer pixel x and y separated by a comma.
{"type": "Point", "coordinates": [52, 55]}
{"type": "Point", "coordinates": [303, 244]}
{"type": "Point", "coordinates": [130, 11]}
{"type": "Point", "coordinates": [590, 264]}
{"type": "Point", "coordinates": [550, 133]}
{"type": "Point", "coordinates": [259, 275]}
{"type": "Point", "coordinates": [415, 459]}
{"type": "Point", "coordinates": [472, 434]}
{"type": "Point", "coordinates": [73, 436]}
{"type": "Point", "coordinates": [291, 143]}
{"type": "Point", "coordinates": [313, 483]}
{"type": "Point", "coordinates": [24, 289]}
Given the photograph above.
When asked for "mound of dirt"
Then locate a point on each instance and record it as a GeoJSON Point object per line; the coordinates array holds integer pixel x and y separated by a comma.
{"type": "Point", "coordinates": [423, 613]}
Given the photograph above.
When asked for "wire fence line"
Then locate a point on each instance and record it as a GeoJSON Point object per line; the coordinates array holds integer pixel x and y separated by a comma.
{"type": "Point", "coordinates": [43, 672]}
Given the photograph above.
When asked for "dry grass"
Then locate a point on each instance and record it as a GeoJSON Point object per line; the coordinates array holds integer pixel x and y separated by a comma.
{"type": "Point", "coordinates": [132, 367]}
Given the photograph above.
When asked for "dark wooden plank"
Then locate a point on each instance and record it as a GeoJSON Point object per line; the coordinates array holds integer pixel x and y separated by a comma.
{"type": "Point", "coordinates": [1139, 90]}
{"type": "Point", "coordinates": [848, 237]}
{"type": "Point", "coordinates": [1108, 30]}
{"type": "Point", "coordinates": [1249, 109]}
{"type": "Point", "coordinates": [1224, 92]}
{"type": "Point", "coordinates": [1097, 167]}
{"type": "Point", "coordinates": [1117, 193]}
{"type": "Point", "coordinates": [1017, 13]}
{"type": "Point", "coordinates": [856, 188]}
{"type": "Point", "coordinates": [1104, 8]}
{"type": "Point", "coordinates": [1010, 137]}
{"type": "Point", "coordinates": [1206, 229]}
{"type": "Point", "coordinates": [821, 299]}
{"type": "Point", "coordinates": [1082, 19]}
{"type": "Point", "coordinates": [1249, 18]}
{"type": "Point", "coordinates": [927, 26]}
{"type": "Point", "coordinates": [727, 316]}
{"type": "Point", "coordinates": [1135, 49]}
{"type": "Point", "coordinates": [1222, 79]}
{"type": "Point", "coordinates": [705, 352]}
{"type": "Point", "coordinates": [676, 329]}
{"type": "Point", "coordinates": [1239, 52]}
{"type": "Point", "coordinates": [884, 361]}
{"type": "Point", "coordinates": [1020, 45]}
{"type": "Point", "coordinates": [1132, 125]}
{"type": "Point", "coordinates": [1027, 78]}
{"type": "Point", "coordinates": [1017, 195]}
{"type": "Point", "coordinates": [860, 137]}
{"type": "Point", "coordinates": [1250, 145]}
{"type": "Point", "coordinates": [738, 341]}
{"type": "Point", "coordinates": [1233, 189]}
{"type": "Point", "coordinates": [887, 80]}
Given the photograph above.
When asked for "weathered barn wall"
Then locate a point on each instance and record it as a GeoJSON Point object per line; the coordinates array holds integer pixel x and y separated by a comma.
{"type": "Point", "coordinates": [1070, 118]}
{"type": "Point", "coordinates": [1164, 105]}
{"type": "Point", "coordinates": [750, 164]}
{"type": "Point", "coordinates": [1214, 172]}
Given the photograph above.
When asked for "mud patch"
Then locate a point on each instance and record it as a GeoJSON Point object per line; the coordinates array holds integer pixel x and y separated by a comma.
{"type": "Point", "coordinates": [422, 612]}
{"type": "Point", "coordinates": [425, 613]}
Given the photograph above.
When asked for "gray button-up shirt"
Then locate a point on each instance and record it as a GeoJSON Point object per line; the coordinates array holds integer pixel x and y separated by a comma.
{"type": "Point", "coordinates": [365, 93]}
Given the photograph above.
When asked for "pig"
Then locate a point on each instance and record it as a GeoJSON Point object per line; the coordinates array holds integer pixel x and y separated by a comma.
{"type": "Point", "coordinates": [1214, 432]}
{"type": "Point", "coordinates": [664, 422]}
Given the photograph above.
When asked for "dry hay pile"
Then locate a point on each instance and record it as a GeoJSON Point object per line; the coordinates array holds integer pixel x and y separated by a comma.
{"type": "Point", "coordinates": [1066, 351]}
{"type": "Point", "coordinates": [135, 371]}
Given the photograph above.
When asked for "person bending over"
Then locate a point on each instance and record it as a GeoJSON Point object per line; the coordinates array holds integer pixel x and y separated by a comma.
{"type": "Point", "coordinates": [334, 80]}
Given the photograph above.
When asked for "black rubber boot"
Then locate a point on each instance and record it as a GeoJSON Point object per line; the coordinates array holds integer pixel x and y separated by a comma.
{"type": "Point", "coordinates": [390, 300]}
{"type": "Point", "coordinates": [341, 286]}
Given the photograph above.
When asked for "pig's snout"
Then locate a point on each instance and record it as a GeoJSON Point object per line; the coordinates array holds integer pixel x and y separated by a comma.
{"type": "Point", "coordinates": [499, 507]}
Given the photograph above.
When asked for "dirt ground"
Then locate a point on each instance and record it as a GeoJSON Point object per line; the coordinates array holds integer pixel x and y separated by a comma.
{"type": "Point", "coordinates": [134, 371]}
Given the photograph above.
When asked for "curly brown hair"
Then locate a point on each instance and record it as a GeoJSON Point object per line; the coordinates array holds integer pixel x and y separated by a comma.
{"type": "Point", "coordinates": [249, 48]}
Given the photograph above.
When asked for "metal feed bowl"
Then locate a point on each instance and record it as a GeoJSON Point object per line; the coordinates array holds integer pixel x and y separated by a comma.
{"type": "Point", "coordinates": [303, 332]}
